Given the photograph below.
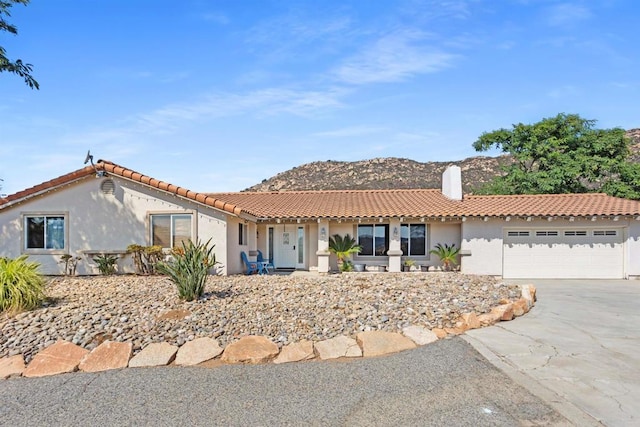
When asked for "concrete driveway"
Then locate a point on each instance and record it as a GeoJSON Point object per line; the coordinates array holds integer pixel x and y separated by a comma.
{"type": "Point", "coordinates": [578, 349]}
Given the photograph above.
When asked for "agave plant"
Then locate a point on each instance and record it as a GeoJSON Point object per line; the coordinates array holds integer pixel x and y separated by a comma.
{"type": "Point", "coordinates": [448, 254]}
{"type": "Point", "coordinates": [189, 268]}
{"type": "Point", "coordinates": [343, 248]}
{"type": "Point", "coordinates": [21, 286]}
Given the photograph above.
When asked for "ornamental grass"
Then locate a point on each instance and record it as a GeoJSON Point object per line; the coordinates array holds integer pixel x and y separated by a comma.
{"type": "Point", "coordinates": [21, 285]}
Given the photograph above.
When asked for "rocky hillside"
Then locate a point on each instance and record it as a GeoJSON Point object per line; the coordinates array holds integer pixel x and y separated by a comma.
{"type": "Point", "coordinates": [391, 172]}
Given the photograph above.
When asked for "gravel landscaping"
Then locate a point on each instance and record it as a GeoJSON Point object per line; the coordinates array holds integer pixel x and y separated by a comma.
{"type": "Point", "coordinates": [285, 308]}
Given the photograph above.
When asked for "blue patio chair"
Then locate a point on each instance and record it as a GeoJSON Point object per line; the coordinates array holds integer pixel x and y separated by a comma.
{"type": "Point", "coordinates": [252, 266]}
{"type": "Point", "coordinates": [264, 265]}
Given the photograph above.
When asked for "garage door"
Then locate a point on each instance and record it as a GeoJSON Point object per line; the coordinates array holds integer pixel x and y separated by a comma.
{"type": "Point", "coordinates": [563, 253]}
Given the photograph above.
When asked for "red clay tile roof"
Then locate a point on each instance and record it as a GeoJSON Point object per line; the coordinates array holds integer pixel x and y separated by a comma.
{"type": "Point", "coordinates": [550, 205]}
{"type": "Point", "coordinates": [422, 203]}
{"type": "Point", "coordinates": [349, 204]}
{"type": "Point", "coordinates": [344, 204]}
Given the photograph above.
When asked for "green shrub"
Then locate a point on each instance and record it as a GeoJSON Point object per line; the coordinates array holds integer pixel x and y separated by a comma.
{"type": "Point", "coordinates": [21, 286]}
{"type": "Point", "coordinates": [70, 263]}
{"type": "Point", "coordinates": [145, 258]}
{"type": "Point", "coordinates": [343, 247]}
{"type": "Point", "coordinates": [106, 264]}
{"type": "Point", "coordinates": [189, 268]}
{"type": "Point", "coordinates": [346, 266]}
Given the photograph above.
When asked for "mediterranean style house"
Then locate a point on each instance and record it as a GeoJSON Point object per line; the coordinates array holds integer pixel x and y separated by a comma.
{"type": "Point", "coordinates": [102, 209]}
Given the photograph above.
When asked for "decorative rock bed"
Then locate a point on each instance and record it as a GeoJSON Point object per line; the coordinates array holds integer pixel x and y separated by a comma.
{"type": "Point", "coordinates": [99, 323]}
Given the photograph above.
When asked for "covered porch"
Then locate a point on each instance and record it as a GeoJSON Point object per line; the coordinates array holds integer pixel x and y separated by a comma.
{"type": "Point", "coordinates": [303, 244]}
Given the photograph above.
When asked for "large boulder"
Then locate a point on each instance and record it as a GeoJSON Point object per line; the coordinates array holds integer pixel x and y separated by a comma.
{"type": "Point", "coordinates": [108, 355]}
{"type": "Point", "coordinates": [59, 358]}
{"type": "Point", "coordinates": [379, 343]}
{"type": "Point", "coordinates": [250, 349]}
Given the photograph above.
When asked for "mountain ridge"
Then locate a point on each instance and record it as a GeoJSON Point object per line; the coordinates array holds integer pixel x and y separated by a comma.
{"type": "Point", "coordinates": [394, 173]}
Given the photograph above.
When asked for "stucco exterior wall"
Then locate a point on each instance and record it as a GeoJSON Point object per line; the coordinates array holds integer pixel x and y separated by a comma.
{"type": "Point", "coordinates": [99, 222]}
{"type": "Point", "coordinates": [483, 240]}
{"type": "Point", "coordinates": [633, 250]}
{"type": "Point", "coordinates": [444, 233]}
{"type": "Point", "coordinates": [340, 228]}
{"type": "Point", "coordinates": [233, 263]}
{"type": "Point", "coordinates": [312, 245]}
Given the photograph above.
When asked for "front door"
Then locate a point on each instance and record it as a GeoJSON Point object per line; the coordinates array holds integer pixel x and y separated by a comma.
{"type": "Point", "coordinates": [289, 247]}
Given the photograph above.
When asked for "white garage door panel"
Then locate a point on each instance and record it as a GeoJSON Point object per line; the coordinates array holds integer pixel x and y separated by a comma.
{"type": "Point", "coordinates": [571, 257]}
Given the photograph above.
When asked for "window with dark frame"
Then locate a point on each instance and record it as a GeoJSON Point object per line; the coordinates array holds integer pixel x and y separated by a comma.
{"type": "Point", "coordinates": [413, 239]}
{"type": "Point", "coordinates": [44, 232]}
{"type": "Point", "coordinates": [374, 239]}
{"type": "Point", "coordinates": [242, 234]}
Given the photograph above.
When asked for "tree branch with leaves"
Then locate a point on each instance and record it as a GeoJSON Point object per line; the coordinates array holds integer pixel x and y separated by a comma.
{"type": "Point", "coordinates": [18, 67]}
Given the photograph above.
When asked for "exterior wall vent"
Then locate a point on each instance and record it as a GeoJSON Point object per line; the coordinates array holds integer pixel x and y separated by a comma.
{"type": "Point", "coordinates": [108, 187]}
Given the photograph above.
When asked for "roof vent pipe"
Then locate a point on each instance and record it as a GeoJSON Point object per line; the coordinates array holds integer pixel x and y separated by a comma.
{"type": "Point", "coordinates": [452, 183]}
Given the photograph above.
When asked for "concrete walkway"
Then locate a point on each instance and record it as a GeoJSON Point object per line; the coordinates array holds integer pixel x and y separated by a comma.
{"type": "Point", "coordinates": [578, 349]}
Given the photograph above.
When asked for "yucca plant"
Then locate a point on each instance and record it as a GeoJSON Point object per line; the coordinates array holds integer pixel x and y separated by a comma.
{"type": "Point", "coordinates": [21, 286]}
{"type": "Point", "coordinates": [448, 254]}
{"type": "Point", "coordinates": [189, 268]}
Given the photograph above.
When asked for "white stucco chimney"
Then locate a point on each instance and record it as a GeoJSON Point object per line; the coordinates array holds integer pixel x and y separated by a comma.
{"type": "Point", "coordinates": [452, 183]}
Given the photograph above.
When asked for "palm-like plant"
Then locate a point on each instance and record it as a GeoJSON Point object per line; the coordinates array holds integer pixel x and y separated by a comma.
{"type": "Point", "coordinates": [343, 247]}
{"type": "Point", "coordinates": [448, 254]}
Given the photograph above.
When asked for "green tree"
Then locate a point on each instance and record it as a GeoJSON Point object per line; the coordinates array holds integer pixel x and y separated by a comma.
{"type": "Point", "coordinates": [16, 67]}
{"type": "Point", "coordinates": [563, 154]}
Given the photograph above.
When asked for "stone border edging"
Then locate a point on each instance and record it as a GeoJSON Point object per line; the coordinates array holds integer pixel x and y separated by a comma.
{"type": "Point", "coordinates": [65, 357]}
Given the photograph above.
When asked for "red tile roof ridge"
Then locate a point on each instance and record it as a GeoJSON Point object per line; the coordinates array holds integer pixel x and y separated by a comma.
{"type": "Point", "coordinates": [43, 186]}
{"type": "Point", "coordinates": [554, 195]}
{"type": "Point", "coordinates": [378, 190]}
{"type": "Point", "coordinates": [203, 198]}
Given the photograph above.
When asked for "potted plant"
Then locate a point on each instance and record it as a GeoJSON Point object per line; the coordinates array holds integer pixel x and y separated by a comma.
{"type": "Point", "coordinates": [448, 254]}
{"type": "Point", "coordinates": [407, 264]}
{"type": "Point", "coordinates": [343, 247]}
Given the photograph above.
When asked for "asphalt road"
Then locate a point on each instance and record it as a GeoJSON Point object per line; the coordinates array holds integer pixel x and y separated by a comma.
{"type": "Point", "coordinates": [445, 383]}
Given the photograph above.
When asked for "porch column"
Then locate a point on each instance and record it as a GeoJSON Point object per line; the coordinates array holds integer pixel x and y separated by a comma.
{"type": "Point", "coordinates": [323, 246]}
{"type": "Point", "coordinates": [394, 252]}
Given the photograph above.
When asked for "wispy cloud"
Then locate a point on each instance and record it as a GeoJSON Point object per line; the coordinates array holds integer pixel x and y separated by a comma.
{"type": "Point", "coordinates": [262, 103]}
{"type": "Point", "coordinates": [350, 132]}
{"type": "Point", "coordinates": [625, 85]}
{"type": "Point", "coordinates": [567, 14]}
{"type": "Point", "coordinates": [298, 34]}
{"type": "Point", "coordinates": [437, 9]}
{"type": "Point", "coordinates": [394, 57]}
{"type": "Point", "coordinates": [216, 17]}
{"type": "Point", "coordinates": [124, 138]}
{"type": "Point", "coordinates": [564, 92]}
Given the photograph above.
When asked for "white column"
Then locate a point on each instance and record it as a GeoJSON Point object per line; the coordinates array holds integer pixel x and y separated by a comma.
{"type": "Point", "coordinates": [394, 252]}
{"type": "Point", "coordinates": [323, 246]}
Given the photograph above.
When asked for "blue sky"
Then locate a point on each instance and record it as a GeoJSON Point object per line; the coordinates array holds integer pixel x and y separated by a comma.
{"type": "Point", "coordinates": [219, 95]}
